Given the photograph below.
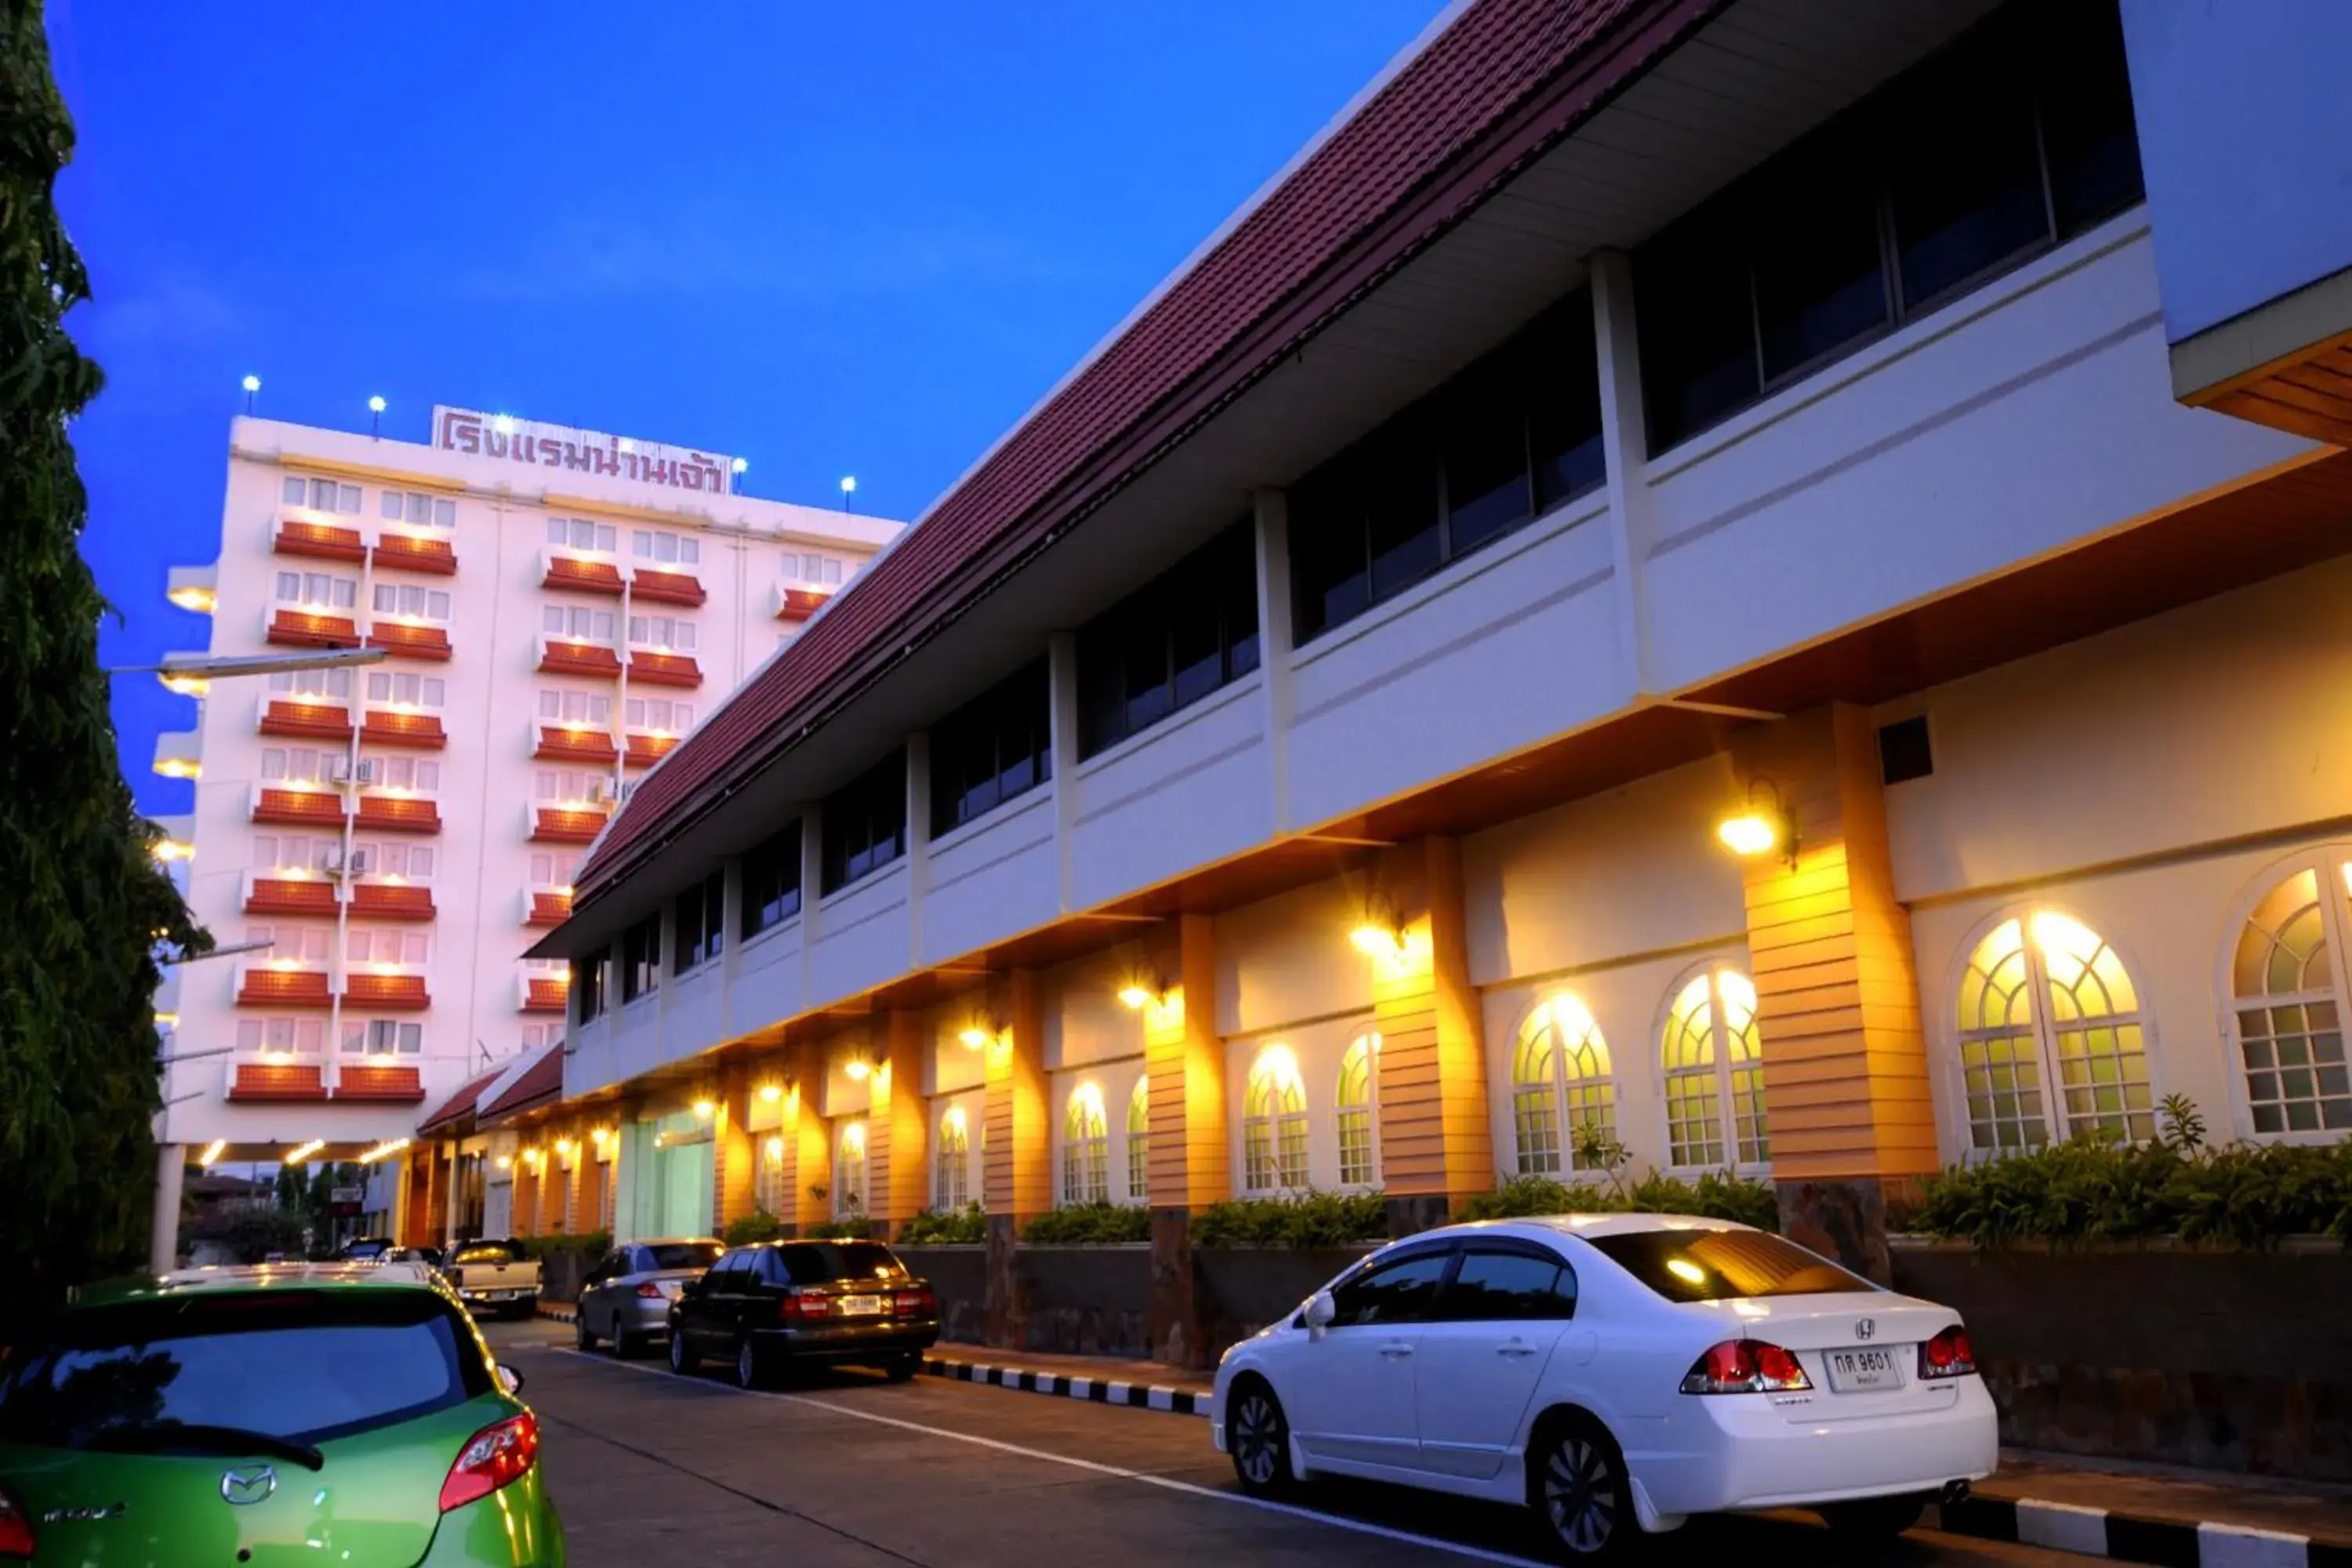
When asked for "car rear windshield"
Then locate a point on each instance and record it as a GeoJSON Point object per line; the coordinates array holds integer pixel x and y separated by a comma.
{"type": "Point", "coordinates": [485, 1252]}
{"type": "Point", "coordinates": [305, 1367]}
{"type": "Point", "coordinates": [823, 1262]}
{"type": "Point", "coordinates": [1723, 1265]}
{"type": "Point", "coordinates": [684, 1254]}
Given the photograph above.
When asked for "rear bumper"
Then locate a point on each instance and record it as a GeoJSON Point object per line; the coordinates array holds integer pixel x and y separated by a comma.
{"type": "Point", "coordinates": [499, 1295]}
{"type": "Point", "coordinates": [1741, 1451]}
{"type": "Point", "coordinates": [849, 1341]}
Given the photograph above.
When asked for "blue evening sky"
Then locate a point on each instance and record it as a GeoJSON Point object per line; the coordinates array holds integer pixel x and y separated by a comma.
{"type": "Point", "coordinates": [837, 240]}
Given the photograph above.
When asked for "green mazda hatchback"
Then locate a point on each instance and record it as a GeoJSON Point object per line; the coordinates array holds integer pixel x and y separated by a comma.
{"type": "Point", "coordinates": [344, 1415]}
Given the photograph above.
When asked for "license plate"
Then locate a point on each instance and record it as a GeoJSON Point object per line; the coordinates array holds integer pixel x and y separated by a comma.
{"type": "Point", "coordinates": [1859, 1371]}
{"type": "Point", "coordinates": [859, 1306]}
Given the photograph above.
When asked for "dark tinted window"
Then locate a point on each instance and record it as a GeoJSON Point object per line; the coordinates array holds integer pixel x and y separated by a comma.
{"type": "Point", "coordinates": [1398, 1292]}
{"type": "Point", "coordinates": [1966, 185]}
{"type": "Point", "coordinates": [771, 881]}
{"type": "Point", "coordinates": [1188, 632]}
{"type": "Point", "coordinates": [701, 923]}
{"type": "Point", "coordinates": [1498, 1286]}
{"type": "Point", "coordinates": [993, 748]}
{"type": "Point", "coordinates": [866, 823]}
{"type": "Point", "coordinates": [295, 1365]}
{"type": "Point", "coordinates": [823, 1262]}
{"type": "Point", "coordinates": [681, 1255]}
{"type": "Point", "coordinates": [588, 984]}
{"type": "Point", "coordinates": [641, 958]}
{"type": "Point", "coordinates": [1724, 1264]}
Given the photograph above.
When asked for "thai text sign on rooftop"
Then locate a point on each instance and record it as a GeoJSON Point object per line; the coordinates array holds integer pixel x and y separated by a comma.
{"type": "Point", "coordinates": [561, 447]}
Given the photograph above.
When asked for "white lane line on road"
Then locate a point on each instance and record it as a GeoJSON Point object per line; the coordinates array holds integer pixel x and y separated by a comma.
{"type": "Point", "coordinates": [1166, 1483]}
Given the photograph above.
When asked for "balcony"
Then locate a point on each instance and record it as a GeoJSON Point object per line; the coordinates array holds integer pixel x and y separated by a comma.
{"type": "Point", "coordinates": [666, 587]}
{"type": "Point", "coordinates": [319, 534]}
{"type": "Point", "coordinates": [569, 824]}
{"type": "Point", "coordinates": [561, 656]}
{"type": "Point", "coordinates": [399, 812]}
{"type": "Point", "coordinates": [562, 743]}
{"type": "Point", "coordinates": [306, 719]}
{"type": "Point", "coordinates": [383, 1082]}
{"type": "Point", "coordinates": [297, 806]}
{"type": "Point", "coordinates": [266, 985]}
{"type": "Point", "coordinates": [194, 588]}
{"type": "Point", "coordinates": [398, 727]}
{"type": "Point", "coordinates": [180, 754]}
{"type": "Point", "coordinates": [289, 893]}
{"type": "Point", "coordinates": [579, 573]}
{"type": "Point", "coordinates": [415, 553]}
{"type": "Point", "coordinates": [410, 639]}
{"type": "Point", "coordinates": [651, 668]}
{"type": "Point", "coordinates": [545, 994]}
{"type": "Point", "coordinates": [392, 902]}
{"type": "Point", "coordinates": [386, 993]}
{"type": "Point", "coordinates": [311, 628]}
{"type": "Point", "coordinates": [546, 906]}
{"type": "Point", "coordinates": [646, 749]}
{"type": "Point", "coordinates": [269, 1080]}
{"type": "Point", "coordinates": [799, 601]}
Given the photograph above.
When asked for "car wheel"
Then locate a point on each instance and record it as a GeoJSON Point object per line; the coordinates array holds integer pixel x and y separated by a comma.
{"type": "Point", "coordinates": [1873, 1519]}
{"type": "Point", "coordinates": [1577, 1488]}
{"type": "Point", "coordinates": [899, 1368]}
{"type": "Point", "coordinates": [681, 1360]}
{"type": "Point", "coordinates": [625, 1344]}
{"type": "Point", "coordinates": [581, 1336]}
{"type": "Point", "coordinates": [1257, 1436]}
{"type": "Point", "coordinates": [750, 1366]}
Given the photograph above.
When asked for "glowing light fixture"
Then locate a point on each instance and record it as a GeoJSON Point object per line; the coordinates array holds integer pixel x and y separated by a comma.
{"type": "Point", "coordinates": [1761, 825]}
{"type": "Point", "coordinates": [775, 1151]}
{"type": "Point", "coordinates": [503, 1162]}
{"type": "Point", "coordinates": [187, 685]}
{"type": "Point", "coordinates": [704, 1110]}
{"type": "Point", "coordinates": [168, 850]}
{"type": "Point", "coordinates": [252, 384]}
{"type": "Point", "coordinates": [1136, 997]}
{"type": "Point", "coordinates": [973, 1036]}
{"type": "Point", "coordinates": [849, 484]}
{"type": "Point", "coordinates": [564, 1145]}
{"type": "Point", "coordinates": [1375, 941]}
{"type": "Point", "coordinates": [858, 1068]}
{"type": "Point", "coordinates": [301, 1153]}
{"type": "Point", "coordinates": [389, 1146]}
{"type": "Point", "coordinates": [740, 464]}
{"type": "Point", "coordinates": [2063, 937]}
{"type": "Point", "coordinates": [772, 1092]}
{"type": "Point", "coordinates": [212, 1152]}
{"type": "Point", "coordinates": [1750, 833]}
{"type": "Point", "coordinates": [599, 1137]}
{"type": "Point", "coordinates": [954, 1120]}
{"type": "Point", "coordinates": [503, 424]}
{"type": "Point", "coordinates": [167, 1020]}
{"type": "Point", "coordinates": [193, 597]}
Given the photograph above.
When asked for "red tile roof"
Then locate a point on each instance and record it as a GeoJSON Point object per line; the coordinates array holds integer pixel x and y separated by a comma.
{"type": "Point", "coordinates": [462, 1102]}
{"type": "Point", "coordinates": [1506, 79]}
{"type": "Point", "coordinates": [542, 1081]}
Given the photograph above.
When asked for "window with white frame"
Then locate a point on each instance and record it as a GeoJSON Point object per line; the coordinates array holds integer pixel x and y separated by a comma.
{"type": "Point", "coordinates": [384, 945]}
{"type": "Point", "coordinates": [317, 590]}
{"type": "Point", "coordinates": [816, 569]}
{"type": "Point", "coordinates": [417, 507]}
{"type": "Point", "coordinates": [382, 1037]}
{"type": "Point", "coordinates": [563, 787]}
{"type": "Point", "coordinates": [2052, 1042]}
{"type": "Point", "coordinates": [306, 945]}
{"type": "Point", "coordinates": [849, 1172]}
{"type": "Point", "coordinates": [295, 851]}
{"type": "Point", "coordinates": [551, 869]}
{"type": "Point", "coordinates": [580, 533]}
{"type": "Point", "coordinates": [288, 1037]}
{"type": "Point", "coordinates": [576, 623]}
{"type": "Point", "coordinates": [1138, 1142]}
{"type": "Point", "coordinates": [951, 1180]}
{"type": "Point", "coordinates": [1085, 1147]}
{"type": "Point", "coordinates": [321, 495]}
{"type": "Point", "coordinates": [1360, 1154]}
{"type": "Point", "coordinates": [1560, 1084]}
{"type": "Point", "coordinates": [768, 1176]}
{"type": "Point", "coordinates": [393, 858]}
{"type": "Point", "coordinates": [405, 688]}
{"type": "Point", "coordinates": [1714, 1065]}
{"type": "Point", "coordinates": [660, 715]}
{"type": "Point", "coordinates": [419, 775]}
{"type": "Point", "coordinates": [333, 684]}
{"type": "Point", "coordinates": [673, 633]}
{"type": "Point", "coordinates": [575, 707]}
{"type": "Point", "coordinates": [2287, 1004]}
{"type": "Point", "coordinates": [411, 602]}
{"type": "Point", "coordinates": [538, 1036]}
{"type": "Point", "coordinates": [665, 548]}
{"type": "Point", "coordinates": [1273, 1125]}
{"type": "Point", "coordinates": [298, 765]}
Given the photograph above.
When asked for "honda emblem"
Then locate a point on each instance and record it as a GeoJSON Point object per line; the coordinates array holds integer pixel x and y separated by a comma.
{"type": "Point", "coordinates": [1864, 1328]}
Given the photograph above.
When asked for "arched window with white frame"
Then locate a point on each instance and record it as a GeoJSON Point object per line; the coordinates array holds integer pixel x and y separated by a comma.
{"type": "Point", "coordinates": [1714, 1066]}
{"type": "Point", "coordinates": [1273, 1125]}
{"type": "Point", "coordinates": [1560, 1086]}
{"type": "Point", "coordinates": [1358, 1104]}
{"type": "Point", "coordinates": [849, 1172]}
{"type": "Point", "coordinates": [2053, 1042]}
{"type": "Point", "coordinates": [952, 1179]}
{"type": "Point", "coordinates": [1139, 1141]}
{"type": "Point", "coordinates": [1085, 1147]}
{"type": "Point", "coordinates": [2286, 1014]}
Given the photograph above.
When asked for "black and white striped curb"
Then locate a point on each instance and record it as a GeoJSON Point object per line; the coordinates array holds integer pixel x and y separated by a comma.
{"type": "Point", "coordinates": [2129, 1538]}
{"type": "Point", "coordinates": [1100, 1390]}
{"type": "Point", "coordinates": [559, 1311]}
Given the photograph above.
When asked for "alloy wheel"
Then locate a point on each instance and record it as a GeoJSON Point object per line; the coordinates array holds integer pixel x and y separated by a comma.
{"type": "Point", "coordinates": [747, 1365]}
{"type": "Point", "coordinates": [1257, 1439]}
{"type": "Point", "coordinates": [581, 1338]}
{"type": "Point", "coordinates": [677, 1359]}
{"type": "Point", "coordinates": [1582, 1495]}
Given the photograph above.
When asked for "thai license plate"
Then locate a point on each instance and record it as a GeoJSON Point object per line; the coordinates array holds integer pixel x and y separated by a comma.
{"type": "Point", "coordinates": [859, 1306]}
{"type": "Point", "coordinates": [1861, 1372]}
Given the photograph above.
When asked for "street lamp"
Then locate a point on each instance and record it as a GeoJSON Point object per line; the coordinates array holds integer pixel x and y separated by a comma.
{"type": "Point", "coordinates": [848, 488]}
{"type": "Point", "coordinates": [375, 416]}
{"type": "Point", "coordinates": [252, 384]}
{"type": "Point", "coordinates": [214, 666]}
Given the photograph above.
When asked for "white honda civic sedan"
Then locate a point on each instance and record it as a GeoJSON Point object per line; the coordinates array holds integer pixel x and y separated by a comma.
{"type": "Point", "coordinates": [1615, 1374]}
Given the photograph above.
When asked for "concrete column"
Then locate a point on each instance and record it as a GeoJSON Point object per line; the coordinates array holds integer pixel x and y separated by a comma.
{"type": "Point", "coordinates": [163, 1231]}
{"type": "Point", "coordinates": [808, 1146]}
{"type": "Point", "coordinates": [1016, 1175]}
{"type": "Point", "coordinates": [918, 840]}
{"type": "Point", "coordinates": [1062, 721]}
{"type": "Point", "coordinates": [1271, 509]}
{"type": "Point", "coordinates": [1436, 1145]}
{"type": "Point", "coordinates": [1848, 1115]}
{"type": "Point", "coordinates": [897, 1128]}
{"type": "Point", "coordinates": [523, 1189]}
{"type": "Point", "coordinates": [734, 1152]}
{"type": "Point", "coordinates": [1189, 1165]}
{"type": "Point", "coordinates": [1624, 438]}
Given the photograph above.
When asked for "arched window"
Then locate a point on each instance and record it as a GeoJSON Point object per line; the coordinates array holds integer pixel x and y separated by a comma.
{"type": "Point", "coordinates": [1715, 1073]}
{"type": "Point", "coordinates": [1560, 1085]}
{"type": "Point", "coordinates": [849, 1172]}
{"type": "Point", "coordinates": [951, 1185]}
{"type": "Point", "coordinates": [2289, 1010]}
{"type": "Point", "coordinates": [768, 1176]}
{"type": "Point", "coordinates": [1085, 1147]}
{"type": "Point", "coordinates": [2052, 1041]}
{"type": "Point", "coordinates": [1138, 1142]}
{"type": "Point", "coordinates": [1360, 1154]}
{"type": "Point", "coordinates": [1273, 1125]}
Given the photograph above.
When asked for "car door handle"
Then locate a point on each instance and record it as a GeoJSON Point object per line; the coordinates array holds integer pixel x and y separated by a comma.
{"type": "Point", "coordinates": [1396, 1351]}
{"type": "Point", "coordinates": [1515, 1349]}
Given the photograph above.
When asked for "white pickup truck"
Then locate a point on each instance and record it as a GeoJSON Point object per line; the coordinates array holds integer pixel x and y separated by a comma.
{"type": "Point", "coordinates": [494, 1276]}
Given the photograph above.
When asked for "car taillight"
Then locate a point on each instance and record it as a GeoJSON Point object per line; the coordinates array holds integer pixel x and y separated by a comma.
{"type": "Point", "coordinates": [498, 1454]}
{"type": "Point", "coordinates": [915, 1304]}
{"type": "Point", "coordinates": [1949, 1354]}
{"type": "Point", "coordinates": [1745, 1366]}
{"type": "Point", "coordinates": [650, 1292]}
{"type": "Point", "coordinates": [797, 1308]}
{"type": "Point", "coordinates": [15, 1529]}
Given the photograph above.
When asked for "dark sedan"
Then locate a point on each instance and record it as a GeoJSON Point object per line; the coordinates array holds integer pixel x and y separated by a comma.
{"type": "Point", "coordinates": [802, 1301]}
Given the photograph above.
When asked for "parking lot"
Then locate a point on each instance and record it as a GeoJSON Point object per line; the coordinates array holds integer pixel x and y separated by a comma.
{"type": "Point", "coordinates": [845, 1468]}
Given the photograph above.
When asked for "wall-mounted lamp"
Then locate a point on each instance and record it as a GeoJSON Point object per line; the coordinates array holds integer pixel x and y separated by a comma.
{"type": "Point", "coordinates": [1375, 939]}
{"type": "Point", "coordinates": [1762, 826]}
{"type": "Point", "coordinates": [705, 1109]}
{"type": "Point", "coordinates": [503, 1162]}
{"type": "Point", "coordinates": [772, 1092]}
{"type": "Point", "coordinates": [857, 1068]}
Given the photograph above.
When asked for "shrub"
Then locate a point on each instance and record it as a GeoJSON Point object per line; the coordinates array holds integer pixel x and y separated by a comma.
{"type": "Point", "coordinates": [756, 1226]}
{"type": "Point", "coordinates": [933, 1228]}
{"type": "Point", "coordinates": [1718, 1195]}
{"type": "Point", "coordinates": [835, 1230]}
{"type": "Point", "coordinates": [1312, 1219]}
{"type": "Point", "coordinates": [1089, 1224]}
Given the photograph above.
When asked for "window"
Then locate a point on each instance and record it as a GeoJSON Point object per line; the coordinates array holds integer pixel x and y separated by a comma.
{"type": "Point", "coordinates": [590, 708]}
{"type": "Point", "coordinates": [382, 1037]}
{"type": "Point", "coordinates": [866, 823]}
{"type": "Point", "coordinates": [1401, 1291]}
{"type": "Point", "coordinates": [318, 590]}
{"type": "Point", "coordinates": [1560, 1086]}
{"type": "Point", "coordinates": [1138, 1142]}
{"type": "Point", "coordinates": [296, 852]}
{"type": "Point", "coordinates": [1498, 445]}
{"type": "Point", "coordinates": [1725, 1265]}
{"type": "Point", "coordinates": [568, 787]}
{"type": "Point", "coordinates": [299, 1037]}
{"type": "Point", "coordinates": [296, 944]}
{"type": "Point", "coordinates": [1509, 1287]}
{"type": "Point", "coordinates": [411, 602]}
{"type": "Point", "coordinates": [1715, 1073]}
{"type": "Point", "coordinates": [1179, 637]}
{"type": "Point", "coordinates": [665, 548]}
{"type": "Point", "coordinates": [385, 946]}
{"type": "Point", "coordinates": [420, 776]}
{"type": "Point", "coordinates": [1360, 1154]}
{"type": "Point", "coordinates": [669, 633]}
{"type": "Point", "coordinates": [660, 715]}
{"type": "Point", "coordinates": [321, 495]}
{"type": "Point", "coordinates": [393, 858]}
{"type": "Point", "coordinates": [993, 748]}
{"type": "Point", "coordinates": [579, 533]}
{"type": "Point", "coordinates": [701, 921]}
{"type": "Point", "coordinates": [588, 985]}
{"type": "Point", "coordinates": [1085, 1147]}
{"type": "Point", "coordinates": [2288, 1011]}
{"type": "Point", "coordinates": [407, 691]}
{"type": "Point", "coordinates": [2043, 1002]}
{"type": "Point", "coordinates": [299, 764]}
{"type": "Point", "coordinates": [951, 1186]}
{"type": "Point", "coordinates": [768, 1176]}
{"type": "Point", "coordinates": [335, 684]}
{"type": "Point", "coordinates": [1273, 1125]}
{"type": "Point", "coordinates": [771, 881]}
{"type": "Point", "coordinates": [550, 869]}
{"type": "Point", "coordinates": [817, 569]}
{"type": "Point", "coordinates": [2017, 138]}
{"type": "Point", "coordinates": [414, 506]}
{"type": "Point", "coordinates": [576, 623]}
{"type": "Point", "coordinates": [641, 959]}
{"type": "Point", "coordinates": [849, 1172]}
{"type": "Point", "coordinates": [538, 1037]}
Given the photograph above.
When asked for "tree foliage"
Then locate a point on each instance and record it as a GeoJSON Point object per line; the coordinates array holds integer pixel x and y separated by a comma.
{"type": "Point", "coordinates": [82, 902]}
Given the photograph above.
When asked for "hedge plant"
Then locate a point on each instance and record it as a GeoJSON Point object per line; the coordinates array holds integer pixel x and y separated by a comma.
{"type": "Point", "coordinates": [1089, 1224]}
{"type": "Point", "coordinates": [1311, 1219]}
{"type": "Point", "coordinates": [948, 1228]}
{"type": "Point", "coordinates": [1718, 1195]}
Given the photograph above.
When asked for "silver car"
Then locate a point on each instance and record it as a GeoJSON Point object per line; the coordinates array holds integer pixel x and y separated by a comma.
{"type": "Point", "coordinates": [626, 1298]}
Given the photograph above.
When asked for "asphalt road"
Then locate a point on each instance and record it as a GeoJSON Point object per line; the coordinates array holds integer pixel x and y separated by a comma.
{"type": "Point", "coordinates": [845, 1469]}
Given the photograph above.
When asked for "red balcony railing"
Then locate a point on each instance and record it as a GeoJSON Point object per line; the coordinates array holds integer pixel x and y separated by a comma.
{"type": "Point", "coordinates": [401, 640]}
{"type": "Point", "coordinates": [309, 628]}
{"type": "Point", "coordinates": [407, 552]}
{"type": "Point", "coordinates": [290, 896]}
{"type": "Point", "coordinates": [386, 993]}
{"type": "Point", "coordinates": [307, 720]}
{"type": "Point", "coordinates": [668, 588]}
{"type": "Point", "coordinates": [298, 807]}
{"type": "Point", "coordinates": [665, 668]}
{"type": "Point", "coordinates": [420, 731]}
{"type": "Point", "coordinates": [260, 988]}
{"type": "Point", "coordinates": [548, 908]}
{"type": "Point", "coordinates": [644, 750]}
{"type": "Point", "coordinates": [544, 996]}
{"type": "Point", "coordinates": [565, 824]}
{"type": "Point", "coordinates": [278, 1080]}
{"type": "Point", "coordinates": [798, 604]}
{"type": "Point", "coordinates": [557, 657]}
{"type": "Point", "coordinates": [392, 902]}
{"type": "Point", "coordinates": [399, 813]}
{"type": "Point", "coordinates": [369, 1080]}
{"type": "Point", "coordinates": [557, 743]}
{"type": "Point", "coordinates": [322, 540]}
{"type": "Point", "coordinates": [569, 572]}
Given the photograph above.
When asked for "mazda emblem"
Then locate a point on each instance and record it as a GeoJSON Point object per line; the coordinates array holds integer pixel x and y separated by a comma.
{"type": "Point", "coordinates": [1863, 1328]}
{"type": "Point", "coordinates": [248, 1484]}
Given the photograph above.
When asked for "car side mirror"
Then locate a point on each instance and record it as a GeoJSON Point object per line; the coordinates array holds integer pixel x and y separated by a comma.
{"type": "Point", "coordinates": [510, 1379]}
{"type": "Point", "coordinates": [1320, 1310]}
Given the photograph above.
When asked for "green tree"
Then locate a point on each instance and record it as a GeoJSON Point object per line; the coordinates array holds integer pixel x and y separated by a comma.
{"type": "Point", "coordinates": [82, 903]}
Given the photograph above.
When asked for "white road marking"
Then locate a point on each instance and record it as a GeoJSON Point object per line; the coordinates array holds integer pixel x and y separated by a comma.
{"type": "Point", "coordinates": [1166, 1483]}
{"type": "Point", "coordinates": [2241, 1546]}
